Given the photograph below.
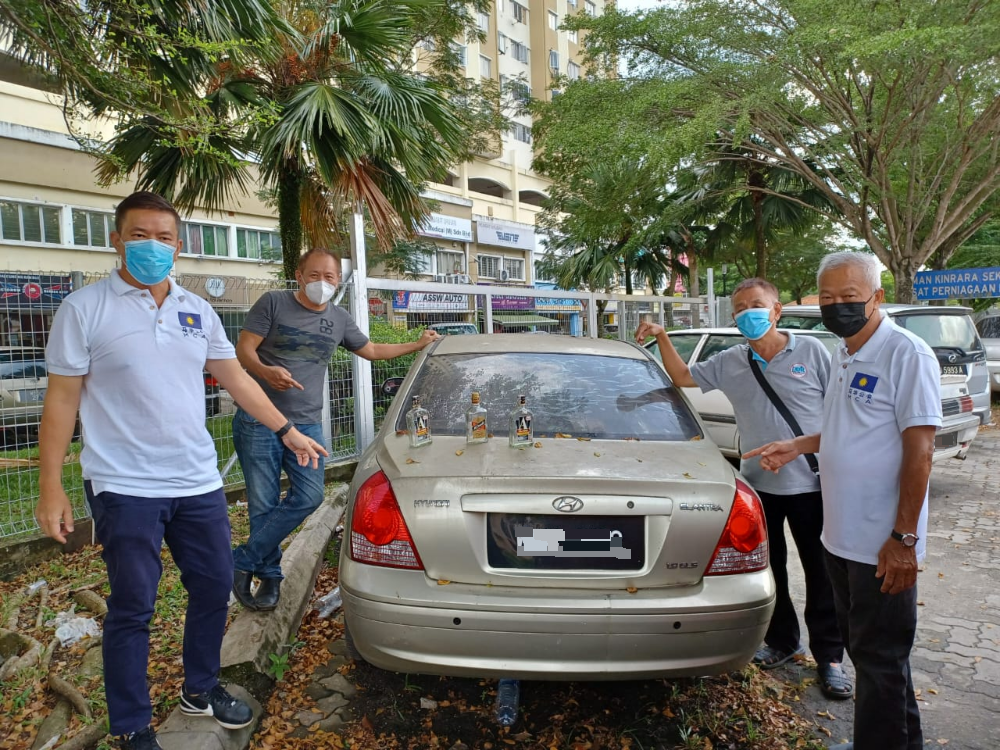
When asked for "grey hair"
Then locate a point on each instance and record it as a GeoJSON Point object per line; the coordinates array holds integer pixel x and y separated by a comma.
{"type": "Point", "coordinates": [865, 262]}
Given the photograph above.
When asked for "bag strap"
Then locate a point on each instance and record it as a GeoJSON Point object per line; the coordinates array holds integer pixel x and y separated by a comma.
{"type": "Point", "coordinates": [780, 406]}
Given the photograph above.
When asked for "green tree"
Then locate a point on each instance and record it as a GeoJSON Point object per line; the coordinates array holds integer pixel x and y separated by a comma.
{"type": "Point", "coordinates": [981, 251]}
{"type": "Point", "coordinates": [796, 258]}
{"type": "Point", "coordinates": [599, 228]}
{"type": "Point", "coordinates": [890, 109]}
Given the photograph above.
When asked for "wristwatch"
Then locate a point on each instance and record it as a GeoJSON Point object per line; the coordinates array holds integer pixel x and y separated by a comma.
{"type": "Point", "coordinates": [907, 540]}
{"type": "Point", "coordinates": [285, 429]}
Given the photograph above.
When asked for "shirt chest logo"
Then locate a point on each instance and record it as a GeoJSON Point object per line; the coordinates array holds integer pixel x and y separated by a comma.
{"type": "Point", "coordinates": [191, 325]}
{"type": "Point", "coordinates": [799, 370]}
{"type": "Point", "coordinates": [862, 388]}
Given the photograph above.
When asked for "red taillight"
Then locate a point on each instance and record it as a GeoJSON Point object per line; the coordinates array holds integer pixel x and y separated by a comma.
{"type": "Point", "coordinates": [378, 532]}
{"type": "Point", "coordinates": [965, 404]}
{"type": "Point", "coordinates": [211, 382]}
{"type": "Point", "coordinates": [742, 548]}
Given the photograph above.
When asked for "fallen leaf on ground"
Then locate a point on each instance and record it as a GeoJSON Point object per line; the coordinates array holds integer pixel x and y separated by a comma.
{"type": "Point", "coordinates": [538, 445]}
{"type": "Point", "coordinates": [563, 435]}
{"type": "Point", "coordinates": [459, 453]}
{"type": "Point", "coordinates": [412, 461]}
{"type": "Point", "coordinates": [597, 454]}
{"type": "Point", "coordinates": [632, 589]}
{"type": "Point", "coordinates": [584, 440]}
{"type": "Point", "coordinates": [688, 476]}
{"type": "Point", "coordinates": [443, 582]}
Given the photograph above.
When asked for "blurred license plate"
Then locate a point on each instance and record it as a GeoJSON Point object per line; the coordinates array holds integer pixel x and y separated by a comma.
{"type": "Point", "coordinates": [953, 369]}
{"type": "Point", "coordinates": [949, 440]}
{"type": "Point", "coordinates": [32, 394]}
{"type": "Point", "coordinates": [548, 542]}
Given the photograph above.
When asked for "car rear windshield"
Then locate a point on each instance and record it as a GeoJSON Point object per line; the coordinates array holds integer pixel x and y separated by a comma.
{"type": "Point", "coordinates": [607, 398]}
{"type": "Point", "coordinates": [942, 331]}
{"type": "Point", "coordinates": [989, 328]}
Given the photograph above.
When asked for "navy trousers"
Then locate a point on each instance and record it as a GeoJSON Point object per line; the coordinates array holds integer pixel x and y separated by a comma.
{"type": "Point", "coordinates": [132, 531]}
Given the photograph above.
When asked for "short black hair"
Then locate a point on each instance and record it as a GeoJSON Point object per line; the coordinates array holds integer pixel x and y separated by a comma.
{"type": "Point", "coordinates": [143, 199]}
{"type": "Point", "coordinates": [316, 251]}
{"type": "Point", "coordinates": [757, 283]}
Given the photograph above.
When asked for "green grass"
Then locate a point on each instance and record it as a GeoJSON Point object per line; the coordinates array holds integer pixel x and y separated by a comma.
{"type": "Point", "coordinates": [19, 490]}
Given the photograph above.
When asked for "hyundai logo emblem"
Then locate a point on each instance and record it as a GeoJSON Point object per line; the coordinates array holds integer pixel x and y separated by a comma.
{"type": "Point", "coordinates": [567, 504]}
{"type": "Point", "coordinates": [952, 357]}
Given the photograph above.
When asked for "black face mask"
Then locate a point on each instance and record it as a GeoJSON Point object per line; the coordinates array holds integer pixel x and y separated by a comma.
{"type": "Point", "coordinates": [845, 319]}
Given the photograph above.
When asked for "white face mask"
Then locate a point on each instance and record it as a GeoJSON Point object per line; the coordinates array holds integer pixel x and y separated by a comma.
{"type": "Point", "coordinates": [320, 292]}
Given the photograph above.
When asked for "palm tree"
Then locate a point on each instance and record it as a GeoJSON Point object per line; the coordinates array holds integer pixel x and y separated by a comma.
{"type": "Point", "coordinates": [330, 114]}
{"type": "Point", "coordinates": [762, 200]}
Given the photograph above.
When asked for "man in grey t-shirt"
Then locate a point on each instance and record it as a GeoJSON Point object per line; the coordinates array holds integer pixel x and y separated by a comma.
{"type": "Point", "coordinates": [286, 344]}
{"type": "Point", "coordinates": [797, 368]}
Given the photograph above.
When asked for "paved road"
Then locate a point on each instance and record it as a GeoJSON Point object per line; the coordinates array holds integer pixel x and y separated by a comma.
{"type": "Point", "coordinates": [956, 658]}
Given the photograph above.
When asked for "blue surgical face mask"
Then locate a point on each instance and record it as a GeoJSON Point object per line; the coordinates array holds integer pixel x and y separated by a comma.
{"type": "Point", "coordinates": [755, 322]}
{"type": "Point", "coordinates": [149, 261]}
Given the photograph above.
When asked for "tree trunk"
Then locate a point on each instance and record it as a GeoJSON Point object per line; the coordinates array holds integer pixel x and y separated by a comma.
{"type": "Point", "coordinates": [756, 180]}
{"type": "Point", "coordinates": [601, 304]}
{"type": "Point", "coordinates": [668, 308]}
{"type": "Point", "coordinates": [290, 217]}
{"type": "Point", "coordinates": [905, 293]}
{"type": "Point", "coordinates": [694, 285]}
{"type": "Point", "coordinates": [628, 275]}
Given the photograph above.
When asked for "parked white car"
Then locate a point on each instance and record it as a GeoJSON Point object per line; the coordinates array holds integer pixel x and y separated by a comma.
{"type": "Point", "coordinates": [988, 327]}
{"type": "Point", "coordinates": [953, 439]}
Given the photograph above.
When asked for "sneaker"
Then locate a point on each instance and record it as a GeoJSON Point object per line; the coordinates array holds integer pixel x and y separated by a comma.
{"type": "Point", "coordinates": [230, 712]}
{"type": "Point", "coordinates": [144, 739]}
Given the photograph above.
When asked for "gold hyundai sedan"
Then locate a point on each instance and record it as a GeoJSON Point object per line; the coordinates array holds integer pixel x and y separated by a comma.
{"type": "Point", "coordinates": [617, 543]}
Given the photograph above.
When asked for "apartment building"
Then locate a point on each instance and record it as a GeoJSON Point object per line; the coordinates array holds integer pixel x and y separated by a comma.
{"type": "Point", "coordinates": [55, 219]}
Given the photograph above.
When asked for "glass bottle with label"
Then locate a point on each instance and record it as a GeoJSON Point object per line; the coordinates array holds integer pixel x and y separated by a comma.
{"type": "Point", "coordinates": [475, 422]}
{"type": "Point", "coordinates": [519, 433]}
{"type": "Point", "coordinates": [418, 424]}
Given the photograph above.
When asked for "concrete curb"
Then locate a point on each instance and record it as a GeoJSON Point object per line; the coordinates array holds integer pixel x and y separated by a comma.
{"type": "Point", "coordinates": [254, 636]}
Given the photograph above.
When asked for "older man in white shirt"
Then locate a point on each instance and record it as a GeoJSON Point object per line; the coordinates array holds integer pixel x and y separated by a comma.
{"type": "Point", "coordinates": [882, 408]}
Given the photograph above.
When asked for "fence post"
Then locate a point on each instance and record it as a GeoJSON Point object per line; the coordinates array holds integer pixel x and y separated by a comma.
{"type": "Point", "coordinates": [592, 315]}
{"type": "Point", "coordinates": [488, 313]}
{"type": "Point", "coordinates": [361, 369]}
{"type": "Point", "coordinates": [710, 283]}
{"type": "Point", "coordinates": [660, 317]}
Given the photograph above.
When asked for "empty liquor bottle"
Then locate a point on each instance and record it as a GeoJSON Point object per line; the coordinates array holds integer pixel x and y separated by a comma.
{"type": "Point", "coordinates": [418, 424]}
{"type": "Point", "coordinates": [475, 422]}
{"type": "Point", "coordinates": [519, 434]}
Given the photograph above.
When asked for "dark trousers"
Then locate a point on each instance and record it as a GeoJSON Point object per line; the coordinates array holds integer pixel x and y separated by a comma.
{"type": "Point", "coordinates": [804, 514]}
{"type": "Point", "coordinates": [879, 631]}
{"type": "Point", "coordinates": [132, 530]}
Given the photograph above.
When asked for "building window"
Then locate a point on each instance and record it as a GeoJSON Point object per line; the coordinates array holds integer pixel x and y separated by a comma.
{"type": "Point", "coordinates": [461, 53]}
{"type": "Point", "coordinates": [574, 36]}
{"type": "Point", "coordinates": [591, 8]}
{"type": "Point", "coordinates": [521, 132]}
{"type": "Point", "coordinates": [519, 12]}
{"type": "Point", "coordinates": [258, 245]}
{"type": "Point", "coordinates": [554, 60]}
{"type": "Point", "coordinates": [483, 21]}
{"type": "Point", "coordinates": [572, 3]}
{"type": "Point", "coordinates": [205, 239]}
{"type": "Point", "coordinates": [521, 51]}
{"type": "Point", "coordinates": [521, 91]}
{"type": "Point", "coordinates": [489, 266]}
{"type": "Point", "coordinates": [514, 268]}
{"type": "Point", "coordinates": [428, 44]}
{"type": "Point", "coordinates": [573, 71]}
{"type": "Point", "coordinates": [28, 222]}
{"type": "Point", "coordinates": [502, 44]}
{"type": "Point", "coordinates": [541, 277]}
{"type": "Point", "coordinates": [553, 21]}
{"type": "Point", "coordinates": [485, 67]}
{"type": "Point", "coordinates": [92, 228]}
{"type": "Point", "coordinates": [449, 262]}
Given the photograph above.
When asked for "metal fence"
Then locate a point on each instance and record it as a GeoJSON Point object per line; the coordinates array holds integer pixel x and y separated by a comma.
{"type": "Point", "coordinates": [397, 311]}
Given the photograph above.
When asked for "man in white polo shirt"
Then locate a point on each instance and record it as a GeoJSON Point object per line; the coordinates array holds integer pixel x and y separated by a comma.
{"type": "Point", "coordinates": [882, 408]}
{"type": "Point", "coordinates": [129, 352]}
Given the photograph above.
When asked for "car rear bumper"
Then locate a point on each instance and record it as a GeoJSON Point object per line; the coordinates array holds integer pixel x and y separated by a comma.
{"type": "Point", "coordinates": [555, 635]}
{"type": "Point", "coordinates": [955, 437]}
{"type": "Point", "coordinates": [994, 368]}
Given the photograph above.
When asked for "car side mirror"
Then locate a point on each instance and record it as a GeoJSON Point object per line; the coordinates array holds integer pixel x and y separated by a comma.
{"type": "Point", "coordinates": [390, 386]}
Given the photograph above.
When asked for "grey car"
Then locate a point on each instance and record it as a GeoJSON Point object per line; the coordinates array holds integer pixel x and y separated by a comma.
{"type": "Point", "coordinates": [988, 327]}
{"type": "Point", "coordinates": [620, 544]}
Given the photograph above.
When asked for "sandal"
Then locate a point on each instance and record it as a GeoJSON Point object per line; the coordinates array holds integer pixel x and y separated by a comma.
{"type": "Point", "coordinates": [769, 658]}
{"type": "Point", "coordinates": [834, 683]}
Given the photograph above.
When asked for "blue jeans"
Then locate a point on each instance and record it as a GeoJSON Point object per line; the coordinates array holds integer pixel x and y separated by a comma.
{"type": "Point", "coordinates": [131, 531]}
{"type": "Point", "coordinates": [262, 456]}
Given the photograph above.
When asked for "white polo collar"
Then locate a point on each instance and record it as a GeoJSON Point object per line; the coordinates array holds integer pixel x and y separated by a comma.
{"type": "Point", "coordinates": [122, 287]}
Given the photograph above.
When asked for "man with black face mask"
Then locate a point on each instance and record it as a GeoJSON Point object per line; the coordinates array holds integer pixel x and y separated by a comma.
{"type": "Point", "coordinates": [286, 343]}
{"type": "Point", "coordinates": [880, 413]}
